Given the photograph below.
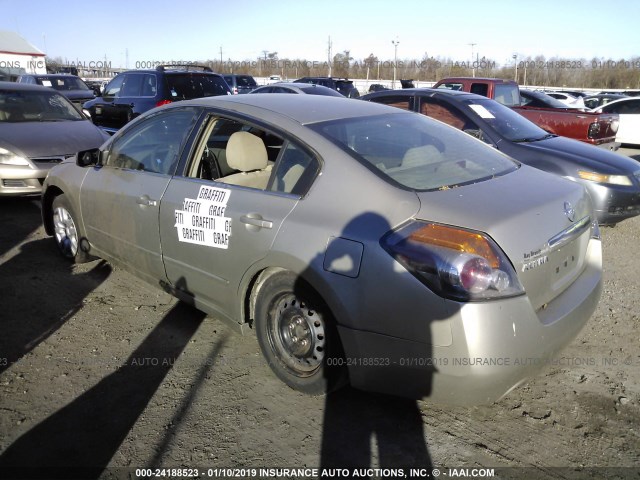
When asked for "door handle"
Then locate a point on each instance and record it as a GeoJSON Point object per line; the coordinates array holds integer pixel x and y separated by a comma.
{"type": "Point", "coordinates": [146, 201]}
{"type": "Point", "coordinates": [256, 220]}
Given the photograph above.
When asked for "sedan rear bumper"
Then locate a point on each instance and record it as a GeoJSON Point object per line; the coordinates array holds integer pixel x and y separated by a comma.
{"type": "Point", "coordinates": [498, 346]}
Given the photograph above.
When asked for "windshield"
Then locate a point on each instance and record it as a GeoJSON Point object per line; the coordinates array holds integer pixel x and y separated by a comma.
{"type": "Point", "coordinates": [63, 83]}
{"type": "Point", "coordinates": [505, 121]}
{"type": "Point", "coordinates": [35, 106]}
{"type": "Point", "coordinates": [415, 151]}
{"type": "Point", "coordinates": [187, 86]}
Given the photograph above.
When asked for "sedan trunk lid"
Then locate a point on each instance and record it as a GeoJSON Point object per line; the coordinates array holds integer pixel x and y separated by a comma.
{"type": "Point", "coordinates": [541, 221]}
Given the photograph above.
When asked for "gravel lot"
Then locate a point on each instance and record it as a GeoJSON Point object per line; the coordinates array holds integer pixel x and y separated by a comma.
{"type": "Point", "coordinates": [103, 373]}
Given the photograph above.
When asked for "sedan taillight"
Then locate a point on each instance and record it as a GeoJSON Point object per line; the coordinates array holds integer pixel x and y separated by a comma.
{"type": "Point", "coordinates": [453, 262]}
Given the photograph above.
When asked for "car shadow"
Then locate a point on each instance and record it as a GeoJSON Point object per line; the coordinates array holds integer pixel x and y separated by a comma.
{"type": "Point", "coordinates": [79, 440]}
{"type": "Point", "coordinates": [354, 420]}
{"type": "Point", "coordinates": [40, 292]}
{"type": "Point", "coordinates": [19, 217]}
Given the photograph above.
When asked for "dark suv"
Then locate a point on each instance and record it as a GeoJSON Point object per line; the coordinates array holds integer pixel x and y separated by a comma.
{"type": "Point", "coordinates": [341, 85]}
{"type": "Point", "coordinates": [240, 83]}
{"type": "Point", "coordinates": [134, 92]}
{"type": "Point", "coordinates": [71, 86]}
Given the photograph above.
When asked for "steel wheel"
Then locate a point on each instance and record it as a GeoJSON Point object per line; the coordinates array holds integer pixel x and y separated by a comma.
{"type": "Point", "coordinates": [296, 334]}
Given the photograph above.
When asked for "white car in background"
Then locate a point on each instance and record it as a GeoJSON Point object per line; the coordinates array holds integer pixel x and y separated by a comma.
{"type": "Point", "coordinates": [629, 111]}
{"type": "Point", "coordinates": [567, 99]}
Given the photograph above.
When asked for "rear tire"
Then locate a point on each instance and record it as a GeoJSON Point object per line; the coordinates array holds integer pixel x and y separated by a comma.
{"type": "Point", "coordinates": [68, 238]}
{"type": "Point", "coordinates": [297, 335]}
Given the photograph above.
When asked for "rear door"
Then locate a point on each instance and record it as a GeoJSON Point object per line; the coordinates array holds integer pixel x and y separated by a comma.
{"type": "Point", "coordinates": [212, 231]}
{"type": "Point", "coordinates": [120, 200]}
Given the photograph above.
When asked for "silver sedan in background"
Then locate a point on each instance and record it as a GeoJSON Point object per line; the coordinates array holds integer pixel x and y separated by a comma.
{"type": "Point", "coordinates": [360, 242]}
{"type": "Point", "coordinates": [38, 128]}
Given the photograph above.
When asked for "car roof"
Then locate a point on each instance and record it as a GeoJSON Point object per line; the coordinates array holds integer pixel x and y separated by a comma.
{"type": "Point", "coordinates": [476, 79]}
{"type": "Point", "coordinates": [18, 87]}
{"type": "Point", "coordinates": [304, 109]}
{"type": "Point", "coordinates": [426, 91]}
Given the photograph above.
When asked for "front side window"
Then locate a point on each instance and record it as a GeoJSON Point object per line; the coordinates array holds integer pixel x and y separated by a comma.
{"type": "Point", "coordinates": [153, 145]}
{"type": "Point", "coordinates": [113, 87]}
{"type": "Point", "coordinates": [416, 152]}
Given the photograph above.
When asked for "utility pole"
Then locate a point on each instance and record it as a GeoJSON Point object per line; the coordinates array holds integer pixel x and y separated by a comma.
{"type": "Point", "coordinates": [329, 59]}
{"type": "Point", "coordinates": [395, 42]}
{"type": "Point", "coordinates": [221, 58]}
{"type": "Point", "coordinates": [515, 64]}
{"type": "Point", "coordinates": [473, 68]}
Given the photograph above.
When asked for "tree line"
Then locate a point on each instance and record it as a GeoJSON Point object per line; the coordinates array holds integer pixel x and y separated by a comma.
{"type": "Point", "coordinates": [603, 73]}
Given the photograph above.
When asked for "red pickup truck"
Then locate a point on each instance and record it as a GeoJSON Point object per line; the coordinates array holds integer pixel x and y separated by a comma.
{"type": "Point", "coordinates": [594, 128]}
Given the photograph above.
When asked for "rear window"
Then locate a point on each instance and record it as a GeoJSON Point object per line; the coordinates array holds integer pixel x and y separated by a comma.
{"type": "Point", "coordinates": [191, 85]}
{"type": "Point", "coordinates": [63, 83]}
{"type": "Point", "coordinates": [417, 152]}
{"type": "Point", "coordinates": [246, 81]}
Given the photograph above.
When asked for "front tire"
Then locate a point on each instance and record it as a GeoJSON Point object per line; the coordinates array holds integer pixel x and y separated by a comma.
{"type": "Point", "coordinates": [65, 231]}
{"type": "Point", "coordinates": [297, 335]}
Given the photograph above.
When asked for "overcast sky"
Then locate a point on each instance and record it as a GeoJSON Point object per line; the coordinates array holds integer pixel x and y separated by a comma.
{"type": "Point", "coordinates": [133, 31]}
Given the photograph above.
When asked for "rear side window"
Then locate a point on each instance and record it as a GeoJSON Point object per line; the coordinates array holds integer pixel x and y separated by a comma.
{"type": "Point", "coordinates": [451, 86]}
{"type": "Point", "coordinates": [132, 85]}
{"type": "Point", "coordinates": [480, 89]}
{"type": "Point", "coordinates": [397, 101]}
{"type": "Point", "coordinates": [507, 94]}
{"type": "Point", "coordinates": [187, 86]}
{"type": "Point", "coordinates": [246, 81]}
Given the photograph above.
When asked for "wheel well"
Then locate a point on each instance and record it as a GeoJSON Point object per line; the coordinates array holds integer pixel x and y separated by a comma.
{"type": "Point", "coordinates": [256, 284]}
{"type": "Point", "coordinates": [47, 202]}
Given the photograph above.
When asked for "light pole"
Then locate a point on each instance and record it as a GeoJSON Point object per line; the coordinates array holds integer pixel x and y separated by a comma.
{"type": "Point", "coordinates": [515, 64]}
{"type": "Point", "coordinates": [473, 68]}
{"type": "Point", "coordinates": [395, 42]}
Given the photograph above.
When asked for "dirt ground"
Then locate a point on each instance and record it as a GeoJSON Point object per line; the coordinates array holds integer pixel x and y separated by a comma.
{"type": "Point", "coordinates": [105, 374]}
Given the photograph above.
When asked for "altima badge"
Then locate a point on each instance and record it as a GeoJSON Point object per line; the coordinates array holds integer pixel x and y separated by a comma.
{"type": "Point", "coordinates": [569, 211]}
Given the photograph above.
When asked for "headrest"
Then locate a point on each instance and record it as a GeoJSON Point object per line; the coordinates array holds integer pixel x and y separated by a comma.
{"type": "Point", "coordinates": [246, 152]}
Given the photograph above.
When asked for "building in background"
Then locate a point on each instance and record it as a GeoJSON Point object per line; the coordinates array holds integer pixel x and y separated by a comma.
{"type": "Point", "coordinates": [18, 57]}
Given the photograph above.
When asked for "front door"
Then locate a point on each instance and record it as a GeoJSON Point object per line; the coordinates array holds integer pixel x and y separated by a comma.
{"type": "Point", "coordinates": [121, 199]}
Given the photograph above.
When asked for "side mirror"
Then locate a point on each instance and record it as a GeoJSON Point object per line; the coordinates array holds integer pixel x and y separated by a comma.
{"type": "Point", "coordinates": [87, 158]}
